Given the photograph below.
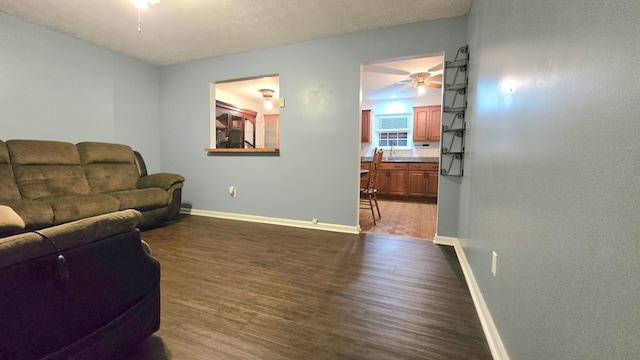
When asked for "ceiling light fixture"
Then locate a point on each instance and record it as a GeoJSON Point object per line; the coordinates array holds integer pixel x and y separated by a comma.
{"type": "Point", "coordinates": [267, 94]}
{"type": "Point", "coordinates": [420, 83]}
{"type": "Point", "coordinates": [142, 4]}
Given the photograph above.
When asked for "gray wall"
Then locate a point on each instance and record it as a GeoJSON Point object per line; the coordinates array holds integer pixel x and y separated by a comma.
{"type": "Point", "coordinates": [54, 87]}
{"type": "Point", "coordinates": [316, 174]}
{"type": "Point", "coordinates": [551, 175]}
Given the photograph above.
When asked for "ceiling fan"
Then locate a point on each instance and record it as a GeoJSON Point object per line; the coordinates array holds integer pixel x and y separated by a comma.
{"type": "Point", "coordinates": [420, 80]}
{"type": "Point", "coordinates": [424, 80]}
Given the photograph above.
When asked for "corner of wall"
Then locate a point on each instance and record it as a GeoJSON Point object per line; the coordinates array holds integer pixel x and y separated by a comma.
{"type": "Point", "coordinates": [490, 331]}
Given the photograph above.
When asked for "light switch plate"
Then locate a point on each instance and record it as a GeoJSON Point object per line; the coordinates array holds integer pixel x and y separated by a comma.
{"type": "Point", "coordinates": [281, 102]}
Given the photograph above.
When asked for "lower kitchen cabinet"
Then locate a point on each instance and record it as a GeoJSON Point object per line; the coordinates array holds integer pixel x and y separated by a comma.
{"type": "Point", "coordinates": [395, 178]}
{"type": "Point", "coordinates": [423, 179]}
{"type": "Point", "coordinates": [407, 179]}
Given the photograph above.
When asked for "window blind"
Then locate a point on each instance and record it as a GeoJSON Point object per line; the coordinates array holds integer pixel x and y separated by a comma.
{"type": "Point", "coordinates": [397, 122]}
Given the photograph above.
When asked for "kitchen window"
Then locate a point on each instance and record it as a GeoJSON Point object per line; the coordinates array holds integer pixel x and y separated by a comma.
{"type": "Point", "coordinates": [393, 130]}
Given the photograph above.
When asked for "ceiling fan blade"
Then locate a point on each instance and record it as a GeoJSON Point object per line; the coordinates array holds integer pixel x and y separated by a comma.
{"type": "Point", "coordinates": [436, 77]}
{"type": "Point", "coordinates": [437, 67]}
{"type": "Point", "coordinates": [397, 86]}
{"type": "Point", "coordinates": [384, 70]}
{"type": "Point", "coordinates": [434, 85]}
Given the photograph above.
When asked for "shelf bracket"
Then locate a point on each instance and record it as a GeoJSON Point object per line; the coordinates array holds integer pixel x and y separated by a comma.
{"type": "Point", "coordinates": [453, 115]}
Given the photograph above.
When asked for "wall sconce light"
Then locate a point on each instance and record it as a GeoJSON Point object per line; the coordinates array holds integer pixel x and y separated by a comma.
{"type": "Point", "coordinates": [267, 94]}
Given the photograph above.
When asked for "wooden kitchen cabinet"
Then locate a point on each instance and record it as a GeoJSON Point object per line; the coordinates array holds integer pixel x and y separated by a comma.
{"type": "Point", "coordinates": [432, 184]}
{"type": "Point", "coordinates": [423, 179]}
{"type": "Point", "coordinates": [426, 123]}
{"type": "Point", "coordinates": [235, 126]}
{"type": "Point", "coordinates": [405, 179]}
{"type": "Point", "coordinates": [395, 178]}
{"type": "Point", "coordinates": [366, 126]}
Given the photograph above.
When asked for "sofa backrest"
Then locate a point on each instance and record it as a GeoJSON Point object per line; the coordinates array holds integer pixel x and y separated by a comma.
{"type": "Point", "coordinates": [9, 189]}
{"type": "Point", "coordinates": [47, 168]}
{"type": "Point", "coordinates": [108, 167]}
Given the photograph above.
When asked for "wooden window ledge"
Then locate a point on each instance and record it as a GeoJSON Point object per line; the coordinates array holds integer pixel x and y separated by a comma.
{"type": "Point", "coordinates": [241, 151]}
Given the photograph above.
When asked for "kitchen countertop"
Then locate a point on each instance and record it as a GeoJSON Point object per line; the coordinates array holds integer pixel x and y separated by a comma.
{"type": "Point", "coordinates": [404, 159]}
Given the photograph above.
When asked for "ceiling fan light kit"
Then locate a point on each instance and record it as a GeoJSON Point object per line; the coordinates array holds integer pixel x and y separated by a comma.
{"type": "Point", "coordinates": [143, 4]}
{"type": "Point", "coordinates": [420, 83]}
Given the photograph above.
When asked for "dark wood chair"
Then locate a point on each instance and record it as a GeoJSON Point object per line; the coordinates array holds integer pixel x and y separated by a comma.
{"type": "Point", "coordinates": [368, 193]}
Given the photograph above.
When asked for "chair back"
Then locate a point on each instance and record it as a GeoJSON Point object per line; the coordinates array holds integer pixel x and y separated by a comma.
{"type": "Point", "coordinates": [375, 166]}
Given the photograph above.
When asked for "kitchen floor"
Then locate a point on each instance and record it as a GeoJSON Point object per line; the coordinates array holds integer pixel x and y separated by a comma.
{"type": "Point", "coordinates": [406, 218]}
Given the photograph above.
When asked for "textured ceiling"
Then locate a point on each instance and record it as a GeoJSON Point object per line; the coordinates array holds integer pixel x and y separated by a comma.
{"type": "Point", "coordinates": [175, 31]}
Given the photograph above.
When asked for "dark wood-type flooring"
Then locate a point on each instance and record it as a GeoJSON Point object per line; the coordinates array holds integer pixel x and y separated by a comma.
{"type": "Point", "coordinates": [241, 290]}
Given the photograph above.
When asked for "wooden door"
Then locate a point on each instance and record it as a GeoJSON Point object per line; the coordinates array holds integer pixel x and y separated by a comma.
{"type": "Point", "coordinates": [426, 123]}
{"type": "Point", "coordinates": [432, 183]}
{"type": "Point", "coordinates": [417, 183]}
{"type": "Point", "coordinates": [434, 123]}
{"type": "Point", "coordinates": [421, 126]}
{"type": "Point", "coordinates": [397, 182]}
{"type": "Point", "coordinates": [272, 131]}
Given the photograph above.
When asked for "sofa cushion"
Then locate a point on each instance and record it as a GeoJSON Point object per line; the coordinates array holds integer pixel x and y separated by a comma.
{"type": "Point", "coordinates": [7, 181]}
{"type": "Point", "coordinates": [47, 168]}
{"type": "Point", "coordinates": [70, 208]}
{"type": "Point", "coordinates": [42, 152]}
{"type": "Point", "coordinates": [8, 184]}
{"type": "Point", "coordinates": [108, 167]}
{"type": "Point", "coordinates": [4, 153]}
{"type": "Point", "coordinates": [9, 220]}
{"type": "Point", "coordinates": [142, 199]}
{"type": "Point", "coordinates": [98, 152]}
{"type": "Point", "coordinates": [36, 214]}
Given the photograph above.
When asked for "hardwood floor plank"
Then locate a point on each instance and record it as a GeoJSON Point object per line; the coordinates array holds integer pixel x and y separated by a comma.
{"type": "Point", "coordinates": [239, 290]}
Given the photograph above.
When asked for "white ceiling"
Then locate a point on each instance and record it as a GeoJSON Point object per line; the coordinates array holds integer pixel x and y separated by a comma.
{"type": "Point", "coordinates": [381, 80]}
{"type": "Point", "coordinates": [175, 31]}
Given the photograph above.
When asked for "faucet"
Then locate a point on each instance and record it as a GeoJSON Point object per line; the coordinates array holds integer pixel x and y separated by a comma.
{"type": "Point", "coordinates": [393, 145]}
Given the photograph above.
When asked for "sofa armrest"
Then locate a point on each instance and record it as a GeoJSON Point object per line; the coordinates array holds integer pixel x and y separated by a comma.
{"type": "Point", "coordinates": [23, 247]}
{"type": "Point", "coordinates": [161, 180]}
{"type": "Point", "coordinates": [93, 309]}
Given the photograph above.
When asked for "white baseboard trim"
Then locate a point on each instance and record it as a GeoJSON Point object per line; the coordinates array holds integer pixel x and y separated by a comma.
{"type": "Point", "coordinates": [496, 346]}
{"type": "Point", "coordinates": [274, 221]}
{"type": "Point", "coordinates": [445, 240]}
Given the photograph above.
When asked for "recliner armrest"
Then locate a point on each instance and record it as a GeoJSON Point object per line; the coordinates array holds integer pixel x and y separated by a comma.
{"type": "Point", "coordinates": [161, 180]}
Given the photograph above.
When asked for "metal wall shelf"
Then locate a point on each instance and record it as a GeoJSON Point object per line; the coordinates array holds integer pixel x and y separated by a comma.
{"type": "Point", "coordinates": [453, 117]}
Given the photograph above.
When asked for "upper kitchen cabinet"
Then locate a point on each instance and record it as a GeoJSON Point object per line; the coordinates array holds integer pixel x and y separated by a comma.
{"type": "Point", "coordinates": [366, 125]}
{"type": "Point", "coordinates": [426, 123]}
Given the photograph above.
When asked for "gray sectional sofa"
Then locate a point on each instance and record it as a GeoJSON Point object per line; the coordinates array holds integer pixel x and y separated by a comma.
{"type": "Point", "coordinates": [52, 182]}
{"type": "Point", "coordinates": [86, 289]}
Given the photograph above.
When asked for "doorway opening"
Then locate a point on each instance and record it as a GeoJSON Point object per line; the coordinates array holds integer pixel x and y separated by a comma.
{"type": "Point", "coordinates": [401, 106]}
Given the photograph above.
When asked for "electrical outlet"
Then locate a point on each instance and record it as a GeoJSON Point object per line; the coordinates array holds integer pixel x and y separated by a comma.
{"type": "Point", "coordinates": [315, 221]}
{"type": "Point", "coordinates": [494, 263]}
